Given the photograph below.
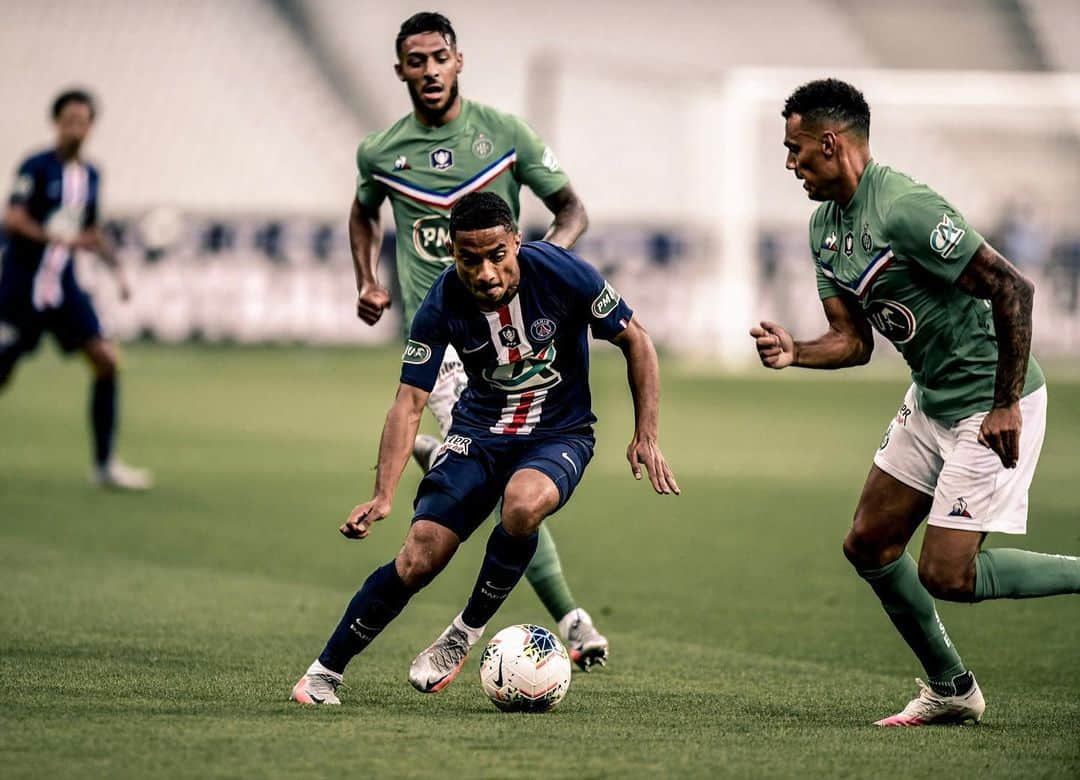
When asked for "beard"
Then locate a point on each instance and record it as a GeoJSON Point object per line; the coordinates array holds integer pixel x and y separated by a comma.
{"type": "Point", "coordinates": [433, 115]}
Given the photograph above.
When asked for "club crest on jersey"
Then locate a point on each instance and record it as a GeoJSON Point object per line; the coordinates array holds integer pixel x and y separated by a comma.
{"type": "Point", "coordinates": [830, 242]}
{"type": "Point", "coordinates": [960, 509]}
{"type": "Point", "coordinates": [482, 147]}
{"type": "Point", "coordinates": [402, 163]}
{"type": "Point", "coordinates": [849, 243]}
{"type": "Point", "coordinates": [542, 329]}
{"type": "Point", "coordinates": [605, 302]}
{"type": "Point", "coordinates": [442, 159]}
{"type": "Point", "coordinates": [416, 353]}
{"type": "Point", "coordinates": [945, 236]}
{"type": "Point", "coordinates": [865, 239]}
{"type": "Point", "coordinates": [893, 320]}
{"type": "Point", "coordinates": [509, 337]}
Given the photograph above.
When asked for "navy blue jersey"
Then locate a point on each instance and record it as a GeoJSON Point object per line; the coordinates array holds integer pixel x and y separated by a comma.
{"type": "Point", "coordinates": [60, 195]}
{"type": "Point", "coordinates": [527, 362]}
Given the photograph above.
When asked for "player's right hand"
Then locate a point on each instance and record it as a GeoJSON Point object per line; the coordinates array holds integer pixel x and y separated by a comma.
{"type": "Point", "coordinates": [775, 346]}
{"type": "Point", "coordinates": [373, 300]}
{"type": "Point", "coordinates": [358, 526]}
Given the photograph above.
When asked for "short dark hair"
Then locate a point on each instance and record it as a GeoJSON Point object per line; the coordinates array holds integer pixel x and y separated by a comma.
{"type": "Point", "coordinates": [479, 211]}
{"type": "Point", "coordinates": [830, 100]}
{"type": "Point", "coordinates": [73, 96]}
{"type": "Point", "coordinates": [423, 22]}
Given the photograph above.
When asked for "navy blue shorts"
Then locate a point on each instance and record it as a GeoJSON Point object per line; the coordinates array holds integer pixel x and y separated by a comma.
{"type": "Point", "coordinates": [73, 323]}
{"type": "Point", "coordinates": [472, 469]}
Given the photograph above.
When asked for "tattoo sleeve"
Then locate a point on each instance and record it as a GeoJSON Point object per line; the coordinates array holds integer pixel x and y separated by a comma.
{"type": "Point", "coordinates": [990, 276]}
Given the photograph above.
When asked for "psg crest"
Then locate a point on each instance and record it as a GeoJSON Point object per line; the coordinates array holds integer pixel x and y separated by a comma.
{"type": "Point", "coordinates": [442, 159]}
{"type": "Point", "coordinates": [542, 329]}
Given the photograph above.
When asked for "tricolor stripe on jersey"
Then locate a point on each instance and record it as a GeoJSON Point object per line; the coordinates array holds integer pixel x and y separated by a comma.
{"type": "Point", "coordinates": [866, 279]}
{"type": "Point", "coordinates": [446, 200]}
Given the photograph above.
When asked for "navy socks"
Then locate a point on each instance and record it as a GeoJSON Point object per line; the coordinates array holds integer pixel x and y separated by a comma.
{"type": "Point", "coordinates": [505, 562]}
{"type": "Point", "coordinates": [103, 403]}
{"type": "Point", "coordinates": [379, 601]}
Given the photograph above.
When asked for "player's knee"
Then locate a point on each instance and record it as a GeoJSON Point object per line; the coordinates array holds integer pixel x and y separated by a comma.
{"type": "Point", "coordinates": [422, 557]}
{"type": "Point", "coordinates": [524, 510]}
{"type": "Point", "coordinates": [947, 583]}
{"type": "Point", "coordinates": [104, 361]}
{"type": "Point", "coordinates": [865, 550]}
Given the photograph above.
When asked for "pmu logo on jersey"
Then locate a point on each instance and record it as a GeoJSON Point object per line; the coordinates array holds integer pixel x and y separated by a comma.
{"type": "Point", "coordinates": [849, 243]}
{"type": "Point", "coordinates": [416, 353]}
{"type": "Point", "coordinates": [431, 238]}
{"type": "Point", "coordinates": [893, 320]}
{"type": "Point", "coordinates": [542, 329]}
{"type": "Point", "coordinates": [442, 159]}
{"type": "Point", "coordinates": [509, 337]}
{"type": "Point", "coordinates": [605, 302]}
{"type": "Point", "coordinates": [960, 509]}
{"type": "Point", "coordinates": [945, 236]}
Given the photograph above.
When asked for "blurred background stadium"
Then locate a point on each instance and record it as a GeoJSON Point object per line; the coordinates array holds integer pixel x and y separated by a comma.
{"type": "Point", "coordinates": [228, 131]}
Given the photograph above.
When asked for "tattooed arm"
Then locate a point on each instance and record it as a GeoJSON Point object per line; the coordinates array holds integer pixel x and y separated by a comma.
{"type": "Point", "coordinates": [990, 276]}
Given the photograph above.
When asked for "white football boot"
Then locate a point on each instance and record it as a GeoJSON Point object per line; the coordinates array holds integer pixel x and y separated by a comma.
{"type": "Point", "coordinates": [117, 475]}
{"type": "Point", "coordinates": [437, 665]}
{"type": "Point", "coordinates": [931, 708]}
{"type": "Point", "coordinates": [587, 646]}
{"type": "Point", "coordinates": [318, 686]}
{"type": "Point", "coordinates": [423, 450]}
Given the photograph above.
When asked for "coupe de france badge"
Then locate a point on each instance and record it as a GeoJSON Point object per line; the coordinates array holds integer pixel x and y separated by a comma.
{"type": "Point", "coordinates": [442, 159]}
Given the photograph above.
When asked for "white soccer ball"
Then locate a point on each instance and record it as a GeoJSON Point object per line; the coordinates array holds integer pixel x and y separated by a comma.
{"type": "Point", "coordinates": [525, 669]}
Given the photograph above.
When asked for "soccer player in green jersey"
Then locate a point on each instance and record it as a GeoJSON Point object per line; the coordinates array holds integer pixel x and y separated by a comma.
{"type": "Point", "coordinates": [893, 255]}
{"type": "Point", "coordinates": [424, 163]}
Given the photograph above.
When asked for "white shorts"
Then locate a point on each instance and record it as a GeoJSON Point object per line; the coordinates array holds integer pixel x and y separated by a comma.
{"type": "Point", "coordinates": [448, 389]}
{"type": "Point", "coordinates": [972, 491]}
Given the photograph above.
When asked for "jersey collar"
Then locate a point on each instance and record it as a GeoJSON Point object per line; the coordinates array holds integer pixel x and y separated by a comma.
{"type": "Point", "coordinates": [443, 132]}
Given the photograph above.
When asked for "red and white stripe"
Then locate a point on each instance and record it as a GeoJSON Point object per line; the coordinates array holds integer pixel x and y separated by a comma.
{"type": "Point", "coordinates": [48, 293]}
{"type": "Point", "coordinates": [510, 314]}
{"type": "Point", "coordinates": [521, 413]}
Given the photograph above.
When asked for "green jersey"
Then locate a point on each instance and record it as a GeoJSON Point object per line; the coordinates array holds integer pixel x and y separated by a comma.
{"type": "Point", "coordinates": [426, 170]}
{"type": "Point", "coordinates": [897, 249]}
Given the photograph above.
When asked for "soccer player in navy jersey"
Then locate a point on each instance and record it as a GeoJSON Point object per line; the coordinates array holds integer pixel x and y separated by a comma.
{"type": "Point", "coordinates": [519, 316]}
{"type": "Point", "coordinates": [52, 212]}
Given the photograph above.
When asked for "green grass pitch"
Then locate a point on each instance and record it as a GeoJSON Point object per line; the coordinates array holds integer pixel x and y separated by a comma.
{"type": "Point", "coordinates": [159, 635]}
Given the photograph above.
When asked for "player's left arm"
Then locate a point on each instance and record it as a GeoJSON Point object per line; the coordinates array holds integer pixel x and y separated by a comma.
{"type": "Point", "coordinates": [991, 277]}
{"type": "Point", "coordinates": [643, 374]}
{"type": "Point", "coordinates": [570, 219]}
{"type": "Point", "coordinates": [538, 168]}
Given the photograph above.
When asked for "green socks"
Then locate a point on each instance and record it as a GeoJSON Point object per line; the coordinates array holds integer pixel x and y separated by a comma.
{"type": "Point", "coordinates": [911, 609]}
{"type": "Point", "coordinates": [546, 577]}
{"type": "Point", "coordinates": [1018, 574]}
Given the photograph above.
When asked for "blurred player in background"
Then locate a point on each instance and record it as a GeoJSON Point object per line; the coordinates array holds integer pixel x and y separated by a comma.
{"type": "Point", "coordinates": [52, 213]}
{"type": "Point", "coordinates": [894, 255]}
{"type": "Point", "coordinates": [448, 147]}
{"type": "Point", "coordinates": [520, 316]}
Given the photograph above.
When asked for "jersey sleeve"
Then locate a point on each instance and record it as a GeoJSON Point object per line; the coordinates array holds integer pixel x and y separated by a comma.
{"type": "Point", "coordinates": [369, 192]}
{"type": "Point", "coordinates": [428, 338]}
{"type": "Point", "coordinates": [924, 227]}
{"type": "Point", "coordinates": [25, 183]}
{"type": "Point", "coordinates": [608, 314]}
{"type": "Point", "coordinates": [536, 166]}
